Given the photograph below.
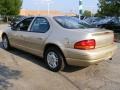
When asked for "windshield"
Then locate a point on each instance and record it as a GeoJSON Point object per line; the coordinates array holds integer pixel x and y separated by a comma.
{"type": "Point", "coordinates": [71, 22]}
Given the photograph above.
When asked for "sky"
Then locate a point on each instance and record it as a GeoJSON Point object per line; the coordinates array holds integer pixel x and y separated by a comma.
{"type": "Point", "coordinates": [61, 5]}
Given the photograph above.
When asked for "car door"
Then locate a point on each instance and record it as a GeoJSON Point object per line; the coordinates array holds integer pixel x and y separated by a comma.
{"type": "Point", "coordinates": [17, 35]}
{"type": "Point", "coordinates": [38, 33]}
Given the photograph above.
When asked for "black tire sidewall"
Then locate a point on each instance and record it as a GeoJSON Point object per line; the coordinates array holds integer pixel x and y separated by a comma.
{"type": "Point", "coordinates": [60, 59]}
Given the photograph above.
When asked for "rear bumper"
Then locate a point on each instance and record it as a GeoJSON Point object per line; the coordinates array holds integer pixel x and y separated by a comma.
{"type": "Point", "coordinates": [88, 57]}
{"type": "Point", "coordinates": [86, 62]}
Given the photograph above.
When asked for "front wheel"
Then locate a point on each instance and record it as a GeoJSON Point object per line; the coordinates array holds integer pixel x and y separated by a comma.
{"type": "Point", "coordinates": [54, 59]}
{"type": "Point", "coordinates": [5, 42]}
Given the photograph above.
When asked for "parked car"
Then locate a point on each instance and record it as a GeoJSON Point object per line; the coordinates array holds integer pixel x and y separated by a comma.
{"type": "Point", "coordinates": [87, 24]}
{"type": "Point", "coordinates": [61, 41]}
{"type": "Point", "coordinates": [84, 22]}
{"type": "Point", "coordinates": [16, 20]}
{"type": "Point", "coordinates": [93, 20]}
{"type": "Point", "coordinates": [111, 23]}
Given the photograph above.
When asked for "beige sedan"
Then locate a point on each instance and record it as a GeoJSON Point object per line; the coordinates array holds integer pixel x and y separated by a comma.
{"type": "Point", "coordinates": [61, 41]}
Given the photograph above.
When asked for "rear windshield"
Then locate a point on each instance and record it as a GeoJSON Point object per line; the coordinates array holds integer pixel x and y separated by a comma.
{"type": "Point", "coordinates": [71, 22]}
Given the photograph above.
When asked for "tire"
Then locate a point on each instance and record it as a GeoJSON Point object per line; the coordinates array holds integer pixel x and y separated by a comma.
{"type": "Point", "coordinates": [5, 42]}
{"type": "Point", "coordinates": [54, 59]}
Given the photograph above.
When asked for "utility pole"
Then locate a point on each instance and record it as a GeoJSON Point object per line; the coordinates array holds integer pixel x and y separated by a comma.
{"type": "Point", "coordinates": [48, 4]}
{"type": "Point", "coordinates": [80, 9]}
{"type": "Point", "coordinates": [48, 8]}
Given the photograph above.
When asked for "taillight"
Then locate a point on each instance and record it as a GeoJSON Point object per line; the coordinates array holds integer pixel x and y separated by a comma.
{"type": "Point", "coordinates": [85, 44]}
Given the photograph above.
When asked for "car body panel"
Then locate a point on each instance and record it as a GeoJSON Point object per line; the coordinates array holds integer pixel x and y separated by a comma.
{"type": "Point", "coordinates": [65, 39]}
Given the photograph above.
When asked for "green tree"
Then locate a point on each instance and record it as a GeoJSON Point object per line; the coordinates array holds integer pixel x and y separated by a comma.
{"type": "Point", "coordinates": [109, 8]}
{"type": "Point", "coordinates": [87, 13]}
{"type": "Point", "coordinates": [10, 7]}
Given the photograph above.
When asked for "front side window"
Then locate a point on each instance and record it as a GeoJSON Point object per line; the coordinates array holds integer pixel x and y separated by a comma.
{"type": "Point", "coordinates": [24, 25]}
{"type": "Point", "coordinates": [71, 22]}
{"type": "Point", "coordinates": [40, 25]}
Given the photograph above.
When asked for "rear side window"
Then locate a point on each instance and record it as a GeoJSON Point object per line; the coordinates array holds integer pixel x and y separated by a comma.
{"type": "Point", "coordinates": [71, 22]}
{"type": "Point", "coordinates": [40, 25]}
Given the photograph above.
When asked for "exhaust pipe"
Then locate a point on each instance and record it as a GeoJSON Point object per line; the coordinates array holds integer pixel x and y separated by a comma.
{"type": "Point", "coordinates": [111, 59]}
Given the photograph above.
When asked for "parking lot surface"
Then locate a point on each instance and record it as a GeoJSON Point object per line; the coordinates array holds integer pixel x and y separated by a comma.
{"type": "Point", "coordinates": [22, 71]}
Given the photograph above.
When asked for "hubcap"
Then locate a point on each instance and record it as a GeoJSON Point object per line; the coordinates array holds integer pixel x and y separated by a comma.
{"type": "Point", "coordinates": [5, 42]}
{"type": "Point", "coordinates": [52, 59]}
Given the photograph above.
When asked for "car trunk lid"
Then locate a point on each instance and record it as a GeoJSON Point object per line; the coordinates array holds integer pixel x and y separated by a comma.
{"type": "Point", "coordinates": [102, 37]}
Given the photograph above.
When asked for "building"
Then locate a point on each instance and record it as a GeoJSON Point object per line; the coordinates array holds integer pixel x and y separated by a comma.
{"type": "Point", "coordinates": [26, 12]}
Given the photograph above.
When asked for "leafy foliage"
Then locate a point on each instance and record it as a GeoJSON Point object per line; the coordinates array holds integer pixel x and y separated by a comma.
{"type": "Point", "coordinates": [10, 7]}
{"type": "Point", "coordinates": [87, 13]}
{"type": "Point", "coordinates": [109, 8]}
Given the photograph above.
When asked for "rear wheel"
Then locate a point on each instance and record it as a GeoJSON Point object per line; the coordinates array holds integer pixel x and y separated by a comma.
{"type": "Point", "coordinates": [5, 42]}
{"type": "Point", "coordinates": [54, 59]}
